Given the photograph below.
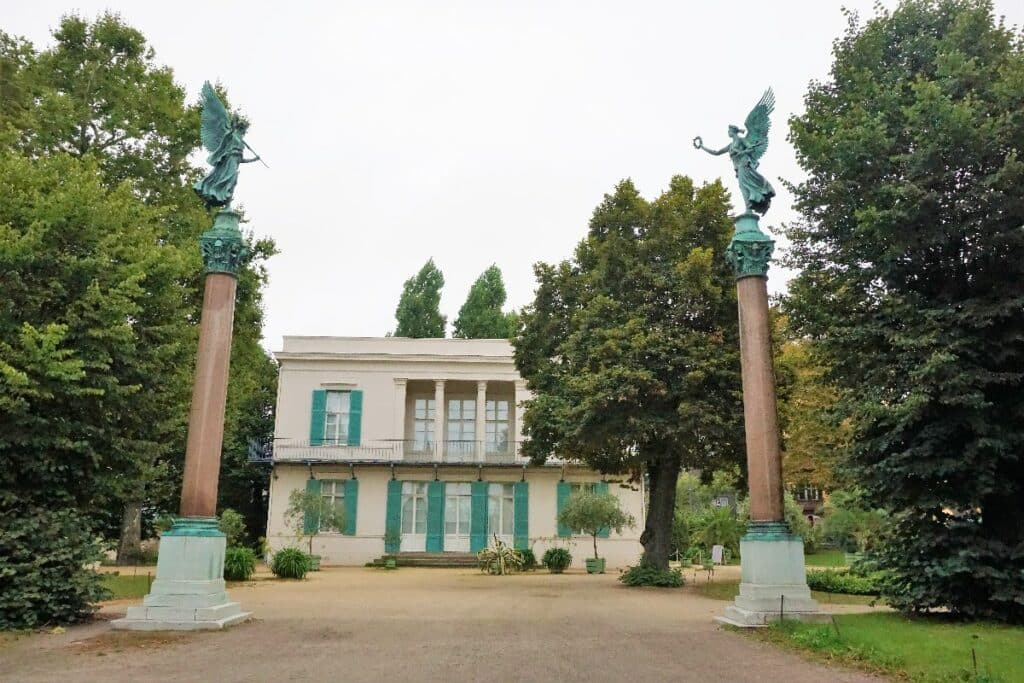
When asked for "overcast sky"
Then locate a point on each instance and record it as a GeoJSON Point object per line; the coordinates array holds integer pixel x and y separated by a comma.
{"type": "Point", "coordinates": [471, 132]}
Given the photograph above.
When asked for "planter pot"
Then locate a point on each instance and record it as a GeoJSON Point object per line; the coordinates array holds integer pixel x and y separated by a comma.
{"type": "Point", "coordinates": [595, 565]}
{"type": "Point", "coordinates": [314, 563]}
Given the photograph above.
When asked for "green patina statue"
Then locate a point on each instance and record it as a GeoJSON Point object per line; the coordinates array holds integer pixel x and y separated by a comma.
{"type": "Point", "coordinates": [746, 151]}
{"type": "Point", "coordinates": [222, 134]}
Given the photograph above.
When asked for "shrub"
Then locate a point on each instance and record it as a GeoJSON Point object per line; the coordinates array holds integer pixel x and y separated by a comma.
{"type": "Point", "coordinates": [233, 525]}
{"type": "Point", "coordinates": [44, 578]}
{"type": "Point", "coordinates": [834, 581]}
{"type": "Point", "coordinates": [595, 513]}
{"type": "Point", "coordinates": [290, 563]}
{"type": "Point", "coordinates": [499, 558]}
{"type": "Point", "coordinates": [556, 560]}
{"type": "Point", "coordinates": [239, 564]}
{"type": "Point", "coordinates": [529, 559]}
{"type": "Point", "coordinates": [645, 575]}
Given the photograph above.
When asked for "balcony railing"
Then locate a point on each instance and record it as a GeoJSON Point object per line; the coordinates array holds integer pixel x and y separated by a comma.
{"type": "Point", "coordinates": [391, 451]}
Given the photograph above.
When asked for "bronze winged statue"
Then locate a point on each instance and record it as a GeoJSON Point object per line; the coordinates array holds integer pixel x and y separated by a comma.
{"type": "Point", "coordinates": [746, 152]}
{"type": "Point", "coordinates": [223, 135]}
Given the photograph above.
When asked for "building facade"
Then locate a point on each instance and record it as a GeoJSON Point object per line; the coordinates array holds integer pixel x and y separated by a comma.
{"type": "Point", "coordinates": [418, 441]}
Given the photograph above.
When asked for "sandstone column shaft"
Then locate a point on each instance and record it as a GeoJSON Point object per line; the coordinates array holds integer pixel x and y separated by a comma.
{"type": "Point", "coordinates": [209, 396]}
{"type": "Point", "coordinates": [764, 460]}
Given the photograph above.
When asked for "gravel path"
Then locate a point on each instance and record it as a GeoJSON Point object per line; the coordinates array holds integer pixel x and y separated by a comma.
{"type": "Point", "coordinates": [355, 624]}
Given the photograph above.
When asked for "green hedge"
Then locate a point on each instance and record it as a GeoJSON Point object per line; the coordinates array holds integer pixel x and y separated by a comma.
{"type": "Point", "coordinates": [644, 575]}
{"type": "Point", "coordinates": [835, 581]}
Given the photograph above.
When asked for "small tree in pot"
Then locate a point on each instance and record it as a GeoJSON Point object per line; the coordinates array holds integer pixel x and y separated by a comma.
{"type": "Point", "coordinates": [594, 514]}
{"type": "Point", "coordinates": [308, 514]}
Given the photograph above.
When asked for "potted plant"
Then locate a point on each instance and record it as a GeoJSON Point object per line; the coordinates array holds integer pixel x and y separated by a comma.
{"type": "Point", "coordinates": [392, 539]}
{"type": "Point", "coordinates": [556, 560]}
{"type": "Point", "coordinates": [595, 513]}
{"type": "Point", "coordinates": [306, 505]}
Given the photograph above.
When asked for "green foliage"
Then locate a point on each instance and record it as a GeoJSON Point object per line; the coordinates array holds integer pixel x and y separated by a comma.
{"type": "Point", "coordinates": [644, 575]}
{"type": "Point", "coordinates": [233, 526]}
{"type": "Point", "coordinates": [841, 581]}
{"type": "Point", "coordinates": [303, 504]}
{"type": "Point", "coordinates": [630, 348]}
{"type": "Point", "coordinates": [912, 283]}
{"type": "Point", "coordinates": [529, 559]}
{"type": "Point", "coordinates": [697, 525]}
{"type": "Point", "coordinates": [481, 316]}
{"type": "Point", "coordinates": [419, 308]}
{"type": "Point", "coordinates": [594, 513]}
{"type": "Point", "coordinates": [499, 558]}
{"type": "Point", "coordinates": [239, 564]}
{"type": "Point", "coordinates": [43, 576]}
{"type": "Point", "coordinates": [290, 563]}
{"type": "Point", "coordinates": [557, 560]}
{"type": "Point", "coordinates": [718, 526]}
{"type": "Point", "coordinates": [849, 525]}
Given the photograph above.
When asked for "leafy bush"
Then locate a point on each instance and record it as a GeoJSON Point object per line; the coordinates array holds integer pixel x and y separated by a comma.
{"type": "Point", "coordinates": [233, 525]}
{"type": "Point", "coordinates": [645, 575]}
{"type": "Point", "coordinates": [556, 560]}
{"type": "Point", "coordinates": [43, 575]}
{"type": "Point", "coordinates": [163, 522]}
{"type": "Point", "coordinates": [529, 559]}
{"type": "Point", "coordinates": [239, 564]}
{"type": "Point", "coordinates": [499, 558]}
{"type": "Point", "coordinates": [595, 513]}
{"type": "Point", "coordinates": [834, 581]}
{"type": "Point", "coordinates": [290, 563]}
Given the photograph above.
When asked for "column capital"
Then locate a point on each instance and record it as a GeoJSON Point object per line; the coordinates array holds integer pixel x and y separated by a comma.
{"type": "Point", "coordinates": [521, 385]}
{"type": "Point", "coordinates": [481, 384]}
{"type": "Point", "coordinates": [750, 249]}
{"type": "Point", "coordinates": [223, 247]}
{"type": "Point", "coordinates": [439, 382]}
{"type": "Point", "coordinates": [401, 381]}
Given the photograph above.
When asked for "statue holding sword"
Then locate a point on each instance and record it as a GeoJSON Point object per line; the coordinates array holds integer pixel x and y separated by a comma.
{"type": "Point", "coordinates": [222, 134]}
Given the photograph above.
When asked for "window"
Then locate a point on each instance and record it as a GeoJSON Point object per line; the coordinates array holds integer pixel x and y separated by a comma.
{"type": "Point", "coordinates": [461, 425]}
{"type": "Point", "coordinates": [333, 493]}
{"type": "Point", "coordinates": [458, 505]}
{"type": "Point", "coordinates": [336, 420]}
{"type": "Point", "coordinates": [575, 489]}
{"type": "Point", "coordinates": [500, 509]}
{"type": "Point", "coordinates": [414, 507]}
{"type": "Point", "coordinates": [423, 425]}
{"type": "Point", "coordinates": [497, 426]}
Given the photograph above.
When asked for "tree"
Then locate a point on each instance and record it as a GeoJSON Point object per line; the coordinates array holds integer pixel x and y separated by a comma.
{"type": "Point", "coordinates": [419, 308]}
{"type": "Point", "coordinates": [630, 348]}
{"type": "Point", "coordinates": [912, 286]}
{"type": "Point", "coordinates": [594, 513]}
{"type": "Point", "coordinates": [481, 316]}
{"type": "Point", "coordinates": [309, 514]}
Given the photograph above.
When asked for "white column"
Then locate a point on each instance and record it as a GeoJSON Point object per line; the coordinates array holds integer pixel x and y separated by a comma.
{"type": "Point", "coordinates": [439, 435]}
{"type": "Point", "coordinates": [398, 431]}
{"type": "Point", "coordinates": [522, 394]}
{"type": "Point", "coordinates": [481, 419]}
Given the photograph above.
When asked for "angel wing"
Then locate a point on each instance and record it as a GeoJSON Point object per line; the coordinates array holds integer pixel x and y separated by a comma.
{"type": "Point", "coordinates": [758, 123]}
{"type": "Point", "coordinates": [215, 120]}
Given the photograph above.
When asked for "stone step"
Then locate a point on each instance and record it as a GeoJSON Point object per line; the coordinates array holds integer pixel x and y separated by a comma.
{"type": "Point", "coordinates": [422, 559]}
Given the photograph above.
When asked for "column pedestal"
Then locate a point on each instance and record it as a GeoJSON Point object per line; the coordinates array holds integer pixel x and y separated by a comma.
{"type": "Point", "coordinates": [774, 582]}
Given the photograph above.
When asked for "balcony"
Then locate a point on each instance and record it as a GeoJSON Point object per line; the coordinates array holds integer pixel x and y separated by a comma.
{"type": "Point", "coordinates": [390, 451]}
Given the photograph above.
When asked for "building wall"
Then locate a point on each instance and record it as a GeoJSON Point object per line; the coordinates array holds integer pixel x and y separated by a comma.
{"type": "Point", "coordinates": [368, 542]}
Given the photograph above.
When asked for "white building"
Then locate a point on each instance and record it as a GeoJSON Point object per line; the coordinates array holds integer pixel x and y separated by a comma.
{"type": "Point", "coordinates": [419, 439]}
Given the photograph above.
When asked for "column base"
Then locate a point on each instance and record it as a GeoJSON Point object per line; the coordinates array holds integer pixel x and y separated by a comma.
{"type": "Point", "coordinates": [188, 592]}
{"type": "Point", "coordinates": [774, 581]}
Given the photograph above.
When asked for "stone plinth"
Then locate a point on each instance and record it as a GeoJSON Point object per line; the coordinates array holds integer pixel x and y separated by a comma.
{"type": "Point", "coordinates": [188, 592]}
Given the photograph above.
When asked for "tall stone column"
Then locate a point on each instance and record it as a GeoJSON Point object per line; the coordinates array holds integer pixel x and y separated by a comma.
{"type": "Point", "coordinates": [440, 445]}
{"type": "Point", "coordinates": [773, 581]}
{"type": "Point", "coordinates": [481, 420]}
{"type": "Point", "coordinates": [401, 385]}
{"type": "Point", "coordinates": [188, 592]}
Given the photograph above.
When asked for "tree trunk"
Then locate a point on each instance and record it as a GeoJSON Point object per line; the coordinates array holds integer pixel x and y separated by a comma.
{"type": "Point", "coordinates": [129, 546]}
{"type": "Point", "coordinates": [663, 472]}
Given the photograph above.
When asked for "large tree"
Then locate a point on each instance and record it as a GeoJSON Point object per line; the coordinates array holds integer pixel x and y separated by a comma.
{"type": "Point", "coordinates": [481, 316]}
{"type": "Point", "coordinates": [631, 350]}
{"type": "Point", "coordinates": [912, 255]}
{"type": "Point", "coordinates": [419, 308]}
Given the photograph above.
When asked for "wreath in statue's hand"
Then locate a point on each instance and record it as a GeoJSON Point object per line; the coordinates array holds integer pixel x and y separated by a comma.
{"type": "Point", "coordinates": [697, 142]}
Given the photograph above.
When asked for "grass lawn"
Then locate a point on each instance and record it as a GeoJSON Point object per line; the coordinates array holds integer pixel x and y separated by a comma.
{"type": "Point", "coordinates": [728, 590]}
{"type": "Point", "coordinates": [826, 558]}
{"type": "Point", "coordinates": [122, 587]}
{"type": "Point", "coordinates": [928, 650]}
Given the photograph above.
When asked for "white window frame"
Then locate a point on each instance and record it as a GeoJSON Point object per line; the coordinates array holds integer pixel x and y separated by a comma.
{"type": "Point", "coordinates": [417, 492]}
{"type": "Point", "coordinates": [341, 418]}
{"type": "Point", "coordinates": [424, 416]}
{"type": "Point", "coordinates": [461, 429]}
{"type": "Point", "coordinates": [334, 491]}
{"type": "Point", "coordinates": [493, 424]}
{"type": "Point", "coordinates": [579, 487]}
{"type": "Point", "coordinates": [495, 500]}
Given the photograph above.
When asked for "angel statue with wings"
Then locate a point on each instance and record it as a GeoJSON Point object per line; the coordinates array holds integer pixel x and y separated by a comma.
{"type": "Point", "coordinates": [222, 134]}
{"type": "Point", "coordinates": [746, 151]}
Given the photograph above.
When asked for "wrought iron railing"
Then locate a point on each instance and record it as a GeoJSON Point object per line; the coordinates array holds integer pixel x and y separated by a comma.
{"type": "Point", "coordinates": [389, 451]}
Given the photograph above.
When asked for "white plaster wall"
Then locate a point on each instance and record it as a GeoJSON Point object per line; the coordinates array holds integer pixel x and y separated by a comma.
{"type": "Point", "coordinates": [368, 542]}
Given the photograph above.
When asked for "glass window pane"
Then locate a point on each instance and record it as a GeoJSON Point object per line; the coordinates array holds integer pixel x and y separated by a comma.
{"type": "Point", "coordinates": [421, 516]}
{"type": "Point", "coordinates": [454, 410]}
{"type": "Point", "coordinates": [507, 517]}
{"type": "Point", "coordinates": [465, 503]}
{"type": "Point", "coordinates": [407, 515]}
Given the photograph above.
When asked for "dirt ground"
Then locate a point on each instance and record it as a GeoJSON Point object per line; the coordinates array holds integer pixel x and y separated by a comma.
{"type": "Point", "coordinates": [357, 624]}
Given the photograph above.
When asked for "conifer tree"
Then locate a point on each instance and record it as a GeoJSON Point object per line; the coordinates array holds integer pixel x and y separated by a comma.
{"type": "Point", "coordinates": [481, 316]}
{"type": "Point", "coordinates": [419, 308]}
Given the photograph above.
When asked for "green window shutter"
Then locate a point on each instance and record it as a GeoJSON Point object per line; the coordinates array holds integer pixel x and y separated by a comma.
{"type": "Point", "coordinates": [317, 417]}
{"type": "Point", "coordinates": [563, 496]}
{"type": "Point", "coordinates": [351, 505]}
{"type": "Point", "coordinates": [521, 515]}
{"type": "Point", "coordinates": [393, 517]}
{"type": "Point", "coordinates": [311, 523]}
{"type": "Point", "coordinates": [355, 417]}
{"type": "Point", "coordinates": [602, 487]}
{"type": "Point", "coordinates": [478, 516]}
{"type": "Point", "coordinates": [435, 517]}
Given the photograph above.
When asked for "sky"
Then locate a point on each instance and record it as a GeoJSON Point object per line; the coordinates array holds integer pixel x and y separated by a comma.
{"type": "Point", "coordinates": [473, 133]}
